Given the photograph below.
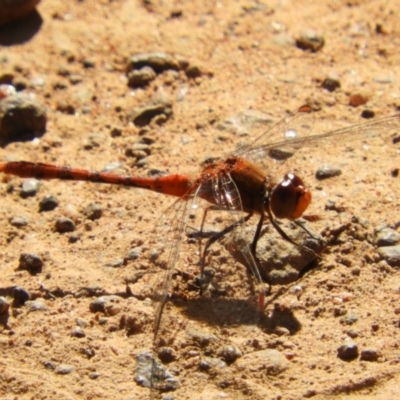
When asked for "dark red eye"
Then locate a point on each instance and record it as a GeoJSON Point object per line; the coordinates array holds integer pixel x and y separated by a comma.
{"type": "Point", "coordinates": [290, 198]}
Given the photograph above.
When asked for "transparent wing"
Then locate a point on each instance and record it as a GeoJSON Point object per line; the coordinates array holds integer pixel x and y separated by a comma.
{"type": "Point", "coordinates": [296, 131]}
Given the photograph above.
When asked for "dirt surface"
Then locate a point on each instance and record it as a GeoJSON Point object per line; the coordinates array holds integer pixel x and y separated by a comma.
{"type": "Point", "coordinates": [243, 60]}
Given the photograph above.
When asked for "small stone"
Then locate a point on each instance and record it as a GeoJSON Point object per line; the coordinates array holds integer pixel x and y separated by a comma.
{"type": "Point", "coordinates": [81, 322]}
{"type": "Point", "coordinates": [151, 373]}
{"type": "Point", "coordinates": [37, 305]}
{"type": "Point", "coordinates": [391, 254]}
{"type": "Point", "coordinates": [22, 118]}
{"type": "Point", "coordinates": [142, 116]}
{"type": "Point", "coordinates": [387, 237]}
{"type": "Point", "coordinates": [29, 187]}
{"type": "Point", "coordinates": [78, 332]}
{"type": "Point", "coordinates": [207, 363]}
{"type": "Point", "coordinates": [4, 306]}
{"type": "Point", "coordinates": [49, 365]}
{"type": "Point", "coordinates": [20, 296]}
{"type": "Point", "coordinates": [158, 61]}
{"type": "Point", "coordinates": [93, 211]}
{"type": "Point", "coordinates": [352, 333]}
{"type": "Point", "coordinates": [370, 354]}
{"type": "Point", "coordinates": [367, 114]}
{"type": "Point", "coordinates": [141, 77]}
{"type": "Point", "coordinates": [106, 304]}
{"type": "Point", "coordinates": [94, 375]}
{"type": "Point", "coordinates": [229, 353]}
{"type": "Point", "coordinates": [358, 99]}
{"type": "Point", "coordinates": [88, 63]}
{"type": "Point", "coordinates": [350, 319]}
{"type": "Point", "coordinates": [64, 369]}
{"type": "Point", "coordinates": [271, 361]}
{"type": "Point", "coordinates": [347, 351]}
{"type": "Point", "coordinates": [19, 222]}
{"type": "Point", "coordinates": [310, 40]}
{"type": "Point", "coordinates": [31, 262]}
{"type": "Point", "coordinates": [64, 224]}
{"type": "Point", "coordinates": [116, 263]}
{"type": "Point", "coordinates": [48, 203]}
{"type": "Point", "coordinates": [327, 171]}
{"type": "Point", "coordinates": [134, 254]}
{"type": "Point", "coordinates": [331, 83]}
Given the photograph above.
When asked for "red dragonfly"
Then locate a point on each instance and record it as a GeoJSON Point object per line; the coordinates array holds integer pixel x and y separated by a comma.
{"type": "Point", "coordinates": [233, 184]}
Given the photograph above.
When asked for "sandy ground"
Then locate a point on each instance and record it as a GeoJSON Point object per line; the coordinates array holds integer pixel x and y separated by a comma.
{"type": "Point", "coordinates": [73, 57]}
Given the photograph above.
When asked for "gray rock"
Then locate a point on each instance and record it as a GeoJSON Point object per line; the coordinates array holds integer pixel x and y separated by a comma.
{"type": "Point", "coordinates": [391, 254]}
{"type": "Point", "coordinates": [151, 373]}
{"type": "Point", "coordinates": [229, 353]}
{"type": "Point", "coordinates": [64, 369]}
{"type": "Point", "coordinates": [387, 237]}
{"type": "Point", "coordinates": [19, 222]}
{"type": "Point", "coordinates": [22, 118]}
{"type": "Point", "coordinates": [331, 83]}
{"type": "Point", "coordinates": [36, 305]}
{"type": "Point", "coordinates": [310, 40]}
{"type": "Point", "coordinates": [158, 61]}
{"type": "Point", "coordinates": [370, 354]}
{"type": "Point", "coordinates": [29, 187]}
{"type": "Point", "coordinates": [141, 77]}
{"type": "Point", "coordinates": [106, 304]}
{"type": "Point", "coordinates": [270, 360]}
{"type": "Point", "coordinates": [4, 306]}
{"type": "Point", "coordinates": [142, 116]}
{"type": "Point", "coordinates": [31, 262]}
{"type": "Point", "coordinates": [347, 351]}
{"type": "Point", "coordinates": [93, 211]}
{"type": "Point", "coordinates": [64, 224]}
{"type": "Point", "coordinates": [327, 171]}
{"type": "Point", "coordinates": [48, 203]}
{"type": "Point", "coordinates": [20, 296]}
{"type": "Point", "coordinates": [78, 332]}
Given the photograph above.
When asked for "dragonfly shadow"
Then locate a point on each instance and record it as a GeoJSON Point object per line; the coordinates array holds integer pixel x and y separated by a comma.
{"type": "Point", "coordinates": [233, 312]}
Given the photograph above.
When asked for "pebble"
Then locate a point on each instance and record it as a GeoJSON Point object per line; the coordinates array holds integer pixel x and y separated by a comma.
{"type": "Point", "coordinates": [81, 322]}
{"type": "Point", "coordinates": [347, 351]}
{"type": "Point", "coordinates": [141, 77]}
{"type": "Point", "coordinates": [78, 332]}
{"type": "Point", "coordinates": [19, 222]}
{"type": "Point", "coordinates": [350, 319]}
{"type": "Point", "coordinates": [387, 237]}
{"type": "Point", "coordinates": [229, 353]}
{"type": "Point", "coordinates": [21, 118]}
{"type": "Point", "coordinates": [134, 254]}
{"type": "Point", "coordinates": [142, 116]}
{"type": "Point", "coordinates": [6, 90]}
{"type": "Point", "coordinates": [64, 224]}
{"type": "Point", "coordinates": [327, 171]}
{"type": "Point", "coordinates": [37, 305]}
{"type": "Point", "coordinates": [201, 338]}
{"type": "Point", "coordinates": [48, 203]}
{"type": "Point", "coordinates": [106, 304]}
{"type": "Point", "coordinates": [31, 262]}
{"type": "Point", "coordinates": [207, 363]}
{"type": "Point", "coordinates": [119, 262]}
{"type": "Point", "coordinates": [331, 83]}
{"type": "Point", "coordinates": [358, 99]}
{"type": "Point", "coordinates": [29, 187]}
{"type": "Point", "coordinates": [93, 211]}
{"type": "Point", "coordinates": [151, 373]}
{"type": "Point", "coordinates": [20, 296]}
{"type": "Point", "coordinates": [94, 375]}
{"type": "Point", "coordinates": [391, 254]}
{"type": "Point", "coordinates": [15, 10]}
{"type": "Point", "coordinates": [352, 333]}
{"type": "Point", "coordinates": [367, 114]}
{"type": "Point", "coordinates": [310, 40]}
{"type": "Point", "coordinates": [158, 61]}
{"type": "Point", "coordinates": [4, 306]}
{"type": "Point", "coordinates": [64, 369]}
{"type": "Point", "coordinates": [271, 361]}
{"type": "Point", "coordinates": [370, 354]}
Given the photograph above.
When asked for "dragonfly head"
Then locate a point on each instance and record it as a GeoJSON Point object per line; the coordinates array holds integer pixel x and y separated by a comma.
{"type": "Point", "coordinates": [289, 199]}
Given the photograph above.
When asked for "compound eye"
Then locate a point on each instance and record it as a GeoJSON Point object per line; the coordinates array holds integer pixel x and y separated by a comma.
{"type": "Point", "coordinates": [290, 198]}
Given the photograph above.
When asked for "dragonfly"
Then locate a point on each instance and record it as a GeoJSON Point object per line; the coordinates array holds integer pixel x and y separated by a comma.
{"type": "Point", "coordinates": [236, 184]}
